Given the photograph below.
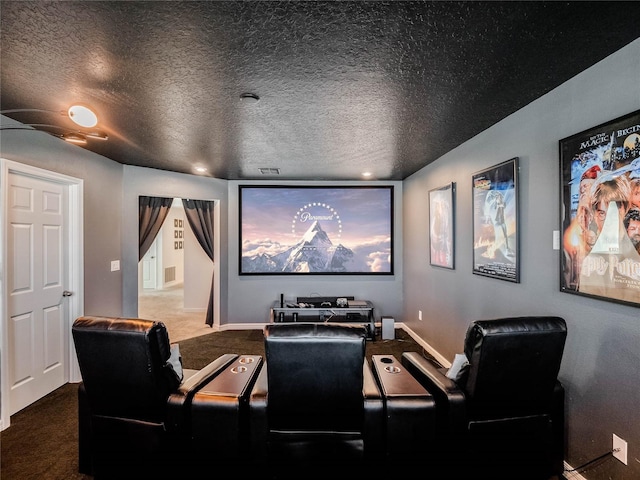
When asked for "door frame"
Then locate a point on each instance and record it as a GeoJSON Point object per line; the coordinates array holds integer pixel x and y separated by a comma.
{"type": "Point", "coordinates": [216, 252]}
{"type": "Point", "coordinates": [75, 268]}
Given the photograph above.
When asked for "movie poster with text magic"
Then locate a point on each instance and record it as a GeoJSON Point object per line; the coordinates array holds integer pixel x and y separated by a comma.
{"type": "Point", "coordinates": [600, 181]}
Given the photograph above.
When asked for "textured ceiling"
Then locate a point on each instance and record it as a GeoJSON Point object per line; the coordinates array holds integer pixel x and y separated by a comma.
{"type": "Point", "coordinates": [344, 86]}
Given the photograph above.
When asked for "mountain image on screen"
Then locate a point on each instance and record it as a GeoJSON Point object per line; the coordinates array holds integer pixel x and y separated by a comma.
{"type": "Point", "coordinates": [313, 253]}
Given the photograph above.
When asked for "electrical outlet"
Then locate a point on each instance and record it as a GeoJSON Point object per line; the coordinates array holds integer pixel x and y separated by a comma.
{"type": "Point", "coordinates": [419, 314]}
{"type": "Point", "coordinates": [619, 449]}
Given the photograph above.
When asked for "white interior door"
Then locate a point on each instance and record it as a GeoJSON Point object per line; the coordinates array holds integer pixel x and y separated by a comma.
{"type": "Point", "coordinates": [150, 267]}
{"type": "Point", "coordinates": [36, 279]}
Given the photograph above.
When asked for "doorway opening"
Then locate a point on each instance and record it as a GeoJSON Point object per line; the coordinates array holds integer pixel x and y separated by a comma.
{"type": "Point", "coordinates": [174, 278]}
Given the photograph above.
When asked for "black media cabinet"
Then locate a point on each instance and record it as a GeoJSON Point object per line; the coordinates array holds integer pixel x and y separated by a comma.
{"type": "Point", "coordinates": [325, 309]}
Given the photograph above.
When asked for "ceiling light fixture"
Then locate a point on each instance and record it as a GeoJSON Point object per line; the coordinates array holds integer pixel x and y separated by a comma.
{"type": "Point", "coordinates": [82, 116]}
{"type": "Point", "coordinates": [79, 114]}
{"type": "Point", "coordinates": [75, 138]}
{"type": "Point", "coordinates": [72, 136]}
{"type": "Point", "coordinates": [248, 97]}
{"type": "Point", "coordinates": [97, 135]}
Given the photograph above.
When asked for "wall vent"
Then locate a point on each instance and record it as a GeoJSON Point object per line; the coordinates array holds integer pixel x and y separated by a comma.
{"type": "Point", "coordinates": [270, 171]}
{"type": "Point", "coordinates": [169, 274]}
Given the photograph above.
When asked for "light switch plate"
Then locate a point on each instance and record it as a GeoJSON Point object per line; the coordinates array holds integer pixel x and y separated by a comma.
{"type": "Point", "coordinates": [115, 265]}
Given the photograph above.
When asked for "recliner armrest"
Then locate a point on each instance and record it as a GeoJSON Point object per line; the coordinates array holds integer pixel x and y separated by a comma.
{"type": "Point", "coordinates": [450, 399]}
{"type": "Point", "coordinates": [370, 389]}
{"type": "Point", "coordinates": [373, 430]}
{"type": "Point", "coordinates": [259, 430]}
{"type": "Point", "coordinates": [557, 414]}
{"type": "Point", "coordinates": [219, 411]}
{"type": "Point", "coordinates": [178, 401]}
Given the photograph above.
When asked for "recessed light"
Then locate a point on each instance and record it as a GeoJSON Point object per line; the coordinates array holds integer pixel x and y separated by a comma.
{"type": "Point", "coordinates": [366, 174]}
{"type": "Point", "coordinates": [75, 138]}
{"type": "Point", "coordinates": [97, 135]}
{"type": "Point", "coordinates": [201, 169]}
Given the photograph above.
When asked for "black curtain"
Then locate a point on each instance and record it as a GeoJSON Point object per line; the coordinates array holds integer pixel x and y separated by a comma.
{"type": "Point", "coordinates": [199, 214]}
{"type": "Point", "coordinates": [152, 211]}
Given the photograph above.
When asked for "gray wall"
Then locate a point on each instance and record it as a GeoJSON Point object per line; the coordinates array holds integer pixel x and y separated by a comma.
{"type": "Point", "coordinates": [602, 355]}
{"type": "Point", "coordinates": [159, 183]}
{"type": "Point", "coordinates": [102, 207]}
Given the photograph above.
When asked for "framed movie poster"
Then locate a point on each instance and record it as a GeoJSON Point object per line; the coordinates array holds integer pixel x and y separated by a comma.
{"type": "Point", "coordinates": [495, 222]}
{"type": "Point", "coordinates": [600, 211]}
{"type": "Point", "coordinates": [442, 226]}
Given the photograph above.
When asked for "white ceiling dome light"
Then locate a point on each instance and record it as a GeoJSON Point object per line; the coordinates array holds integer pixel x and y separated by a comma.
{"type": "Point", "coordinates": [82, 116]}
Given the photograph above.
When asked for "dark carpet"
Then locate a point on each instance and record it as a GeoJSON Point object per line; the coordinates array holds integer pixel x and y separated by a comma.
{"type": "Point", "coordinates": [42, 441]}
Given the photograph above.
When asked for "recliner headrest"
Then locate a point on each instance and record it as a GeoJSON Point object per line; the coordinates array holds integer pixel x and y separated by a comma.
{"type": "Point", "coordinates": [514, 360]}
{"type": "Point", "coordinates": [124, 364]}
{"type": "Point", "coordinates": [315, 374]}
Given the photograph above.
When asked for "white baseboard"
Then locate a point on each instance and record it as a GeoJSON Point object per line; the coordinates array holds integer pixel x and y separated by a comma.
{"type": "Point", "coordinates": [571, 475]}
{"type": "Point", "coordinates": [239, 326]}
{"type": "Point", "coordinates": [430, 350]}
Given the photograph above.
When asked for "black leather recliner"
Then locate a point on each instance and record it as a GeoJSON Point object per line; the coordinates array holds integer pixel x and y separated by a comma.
{"type": "Point", "coordinates": [503, 415]}
{"type": "Point", "coordinates": [134, 399]}
{"type": "Point", "coordinates": [315, 405]}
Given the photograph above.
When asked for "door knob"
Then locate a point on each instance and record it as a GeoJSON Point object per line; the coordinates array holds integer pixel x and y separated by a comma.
{"type": "Point", "coordinates": [67, 293]}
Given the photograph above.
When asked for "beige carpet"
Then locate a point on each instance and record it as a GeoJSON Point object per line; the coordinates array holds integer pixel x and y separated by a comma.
{"type": "Point", "coordinates": [167, 306]}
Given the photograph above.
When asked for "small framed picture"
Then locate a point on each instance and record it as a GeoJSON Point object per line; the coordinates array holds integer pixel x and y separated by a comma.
{"type": "Point", "coordinates": [179, 233]}
{"type": "Point", "coordinates": [176, 234]}
{"type": "Point", "coordinates": [175, 222]}
{"type": "Point", "coordinates": [180, 223]}
{"type": "Point", "coordinates": [180, 245]}
{"type": "Point", "coordinates": [175, 245]}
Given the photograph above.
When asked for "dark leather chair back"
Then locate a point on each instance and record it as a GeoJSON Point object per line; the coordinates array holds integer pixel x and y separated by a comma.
{"type": "Point", "coordinates": [134, 401]}
{"type": "Point", "coordinates": [513, 363]}
{"type": "Point", "coordinates": [505, 414]}
{"type": "Point", "coordinates": [315, 376]}
{"type": "Point", "coordinates": [124, 366]}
